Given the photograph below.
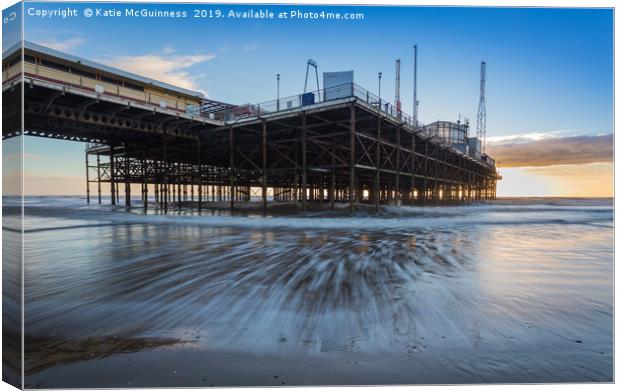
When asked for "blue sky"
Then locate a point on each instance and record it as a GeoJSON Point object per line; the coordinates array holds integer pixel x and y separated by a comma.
{"type": "Point", "coordinates": [549, 71]}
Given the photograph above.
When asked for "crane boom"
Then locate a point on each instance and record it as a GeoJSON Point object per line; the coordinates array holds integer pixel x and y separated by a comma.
{"type": "Point", "coordinates": [312, 63]}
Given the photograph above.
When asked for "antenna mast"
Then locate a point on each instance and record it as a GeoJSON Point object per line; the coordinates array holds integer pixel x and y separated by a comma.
{"type": "Point", "coordinates": [415, 85]}
{"type": "Point", "coordinates": [397, 89]}
{"type": "Point", "coordinates": [481, 121]}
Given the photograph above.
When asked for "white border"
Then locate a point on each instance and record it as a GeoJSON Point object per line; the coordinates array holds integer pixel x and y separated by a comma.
{"type": "Point", "coordinates": [472, 3]}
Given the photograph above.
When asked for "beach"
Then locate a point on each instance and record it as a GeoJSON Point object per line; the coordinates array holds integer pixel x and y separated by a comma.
{"type": "Point", "coordinates": [514, 290]}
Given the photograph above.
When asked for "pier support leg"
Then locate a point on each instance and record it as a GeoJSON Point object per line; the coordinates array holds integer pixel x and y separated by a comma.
{"type": "Point", "coordinates": [98, 179]}
{"type": "Point", "coordinates": [112, 179]}
{"type": "Point", "coordinates": [145, 185]}
{"type": "Point", "coordinates": [304, 177]}
{"type": "Point", "coordinates": [377, 185]}
{"type": "Point", "coordinates": [332, 181]}
{"type": "Point", "coordinates": [179, 190]}
{"type": "Point", "coordinates": [425, 187]}
{"type": "Point", "coordinates": [231, 148]}
{"type": "Point", "coordinates": [165, 174]}
{"type": "Point", "coordinates": [220, 197]}
{"type": "Point", "coordinates": [413, 169]}
{"type": "Point", "coordinates": [87, 180]}
{"type": "Point", "coordinates": [397, 196]}
{"type": "Point", "coordinates": [352, 160]}
{"type": "Point", "coordinates": [199, 169]}
{"type": "Point", "coordinates": [264, 176]}
{"type": "Point", "coordinates": [296, 177]}
{"type": "Point", "coordinates": [127, 180]}
{"type": "Point", "coordinates": [436, 198]}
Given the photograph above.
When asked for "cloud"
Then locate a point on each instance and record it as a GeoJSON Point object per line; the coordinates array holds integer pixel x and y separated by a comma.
{"type": "Point", "coordinates": [525, 137]}
{"type": "Point", "coordinates": [251, 47]}
{"type": "Point", "coordinates": [170, 68]}
{"type": "Point", "coordinates": [531, 151]}
{"type": "Point", "coordinates": [64, 45]}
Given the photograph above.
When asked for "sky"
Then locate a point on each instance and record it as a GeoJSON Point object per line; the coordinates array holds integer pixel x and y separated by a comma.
{"type": "Point", "coordinates": [549, 88]}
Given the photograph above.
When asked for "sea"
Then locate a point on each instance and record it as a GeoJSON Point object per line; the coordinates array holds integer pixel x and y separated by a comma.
{"type": "Point", "coordinates": [505, 291]}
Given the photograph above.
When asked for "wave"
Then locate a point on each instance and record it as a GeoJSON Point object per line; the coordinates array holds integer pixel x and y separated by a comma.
{"type": "Point", "coordinates": [45, 217]}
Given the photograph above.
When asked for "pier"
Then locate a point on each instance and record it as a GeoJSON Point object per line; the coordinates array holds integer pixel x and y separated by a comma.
{"type": "Point", "coordinates": [337, 145]}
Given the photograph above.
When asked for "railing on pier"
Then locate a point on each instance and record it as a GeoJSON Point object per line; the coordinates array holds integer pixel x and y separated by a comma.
{"type": "Point", "coordinates": [320, 96]}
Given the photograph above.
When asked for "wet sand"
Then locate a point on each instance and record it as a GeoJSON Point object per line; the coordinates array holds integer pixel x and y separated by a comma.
{"type": "Point", "coordinates": [426, 364]}
{"type": "Point", "coordinates": [492, 293]}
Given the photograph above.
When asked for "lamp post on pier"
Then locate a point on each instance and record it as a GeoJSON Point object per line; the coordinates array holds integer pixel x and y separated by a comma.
{"type": "Point", "coordinates": [278, 92]}
{"type": "Point", "coordinates": [380, 74]}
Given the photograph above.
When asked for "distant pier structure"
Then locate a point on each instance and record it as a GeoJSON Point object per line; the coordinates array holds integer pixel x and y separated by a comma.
{"type": "Point", "coordinates": [340, 144]}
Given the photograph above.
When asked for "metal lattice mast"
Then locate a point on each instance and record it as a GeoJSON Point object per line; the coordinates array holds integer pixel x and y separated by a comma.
{"type": "Point", "coordinates": [397, 88]}
{"type": "Point", "coordinates": [481, 121]}
{"type": "Point", "coordinates": [415, 85]}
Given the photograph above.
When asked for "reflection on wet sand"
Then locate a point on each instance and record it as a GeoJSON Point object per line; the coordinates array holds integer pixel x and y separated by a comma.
{"type": "Point", "coordinates": [46, 352]}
